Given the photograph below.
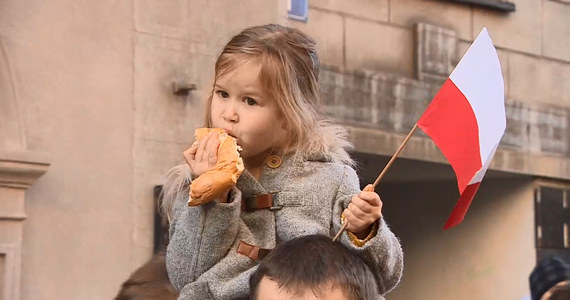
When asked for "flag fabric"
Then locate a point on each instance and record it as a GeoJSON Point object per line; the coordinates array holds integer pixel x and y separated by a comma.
{"type": "Point", "coordinates": [466, 119]}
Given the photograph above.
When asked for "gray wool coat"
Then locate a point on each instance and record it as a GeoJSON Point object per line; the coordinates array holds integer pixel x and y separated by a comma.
{"type": "Point", "coordinates": [201, 258]}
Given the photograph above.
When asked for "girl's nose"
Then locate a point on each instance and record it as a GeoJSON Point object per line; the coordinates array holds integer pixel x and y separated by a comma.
{"type": "Point", "coordinates": [230, 114]}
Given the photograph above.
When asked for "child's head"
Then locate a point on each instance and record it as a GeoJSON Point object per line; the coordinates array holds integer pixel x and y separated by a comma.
{"type": "Point", "coordinates": [313, 267]}
{"type": "Point", "coordinates": [285, 65]}
{"type": "Point", "coordinates": [272, 71]}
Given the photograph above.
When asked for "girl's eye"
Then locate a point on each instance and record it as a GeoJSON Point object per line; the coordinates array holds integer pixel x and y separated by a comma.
{"type": "Point", "coordinates": [222, 94]}
{"type": "Point", "coordinates": [250, 101]}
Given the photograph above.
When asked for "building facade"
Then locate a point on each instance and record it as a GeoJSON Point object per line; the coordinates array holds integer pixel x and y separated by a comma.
{"type": "Point", "coordinates": [99, 99]}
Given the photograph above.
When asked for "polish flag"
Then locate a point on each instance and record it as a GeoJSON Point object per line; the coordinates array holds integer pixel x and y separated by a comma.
{"type": "Point", "coordinates": [466, 119]}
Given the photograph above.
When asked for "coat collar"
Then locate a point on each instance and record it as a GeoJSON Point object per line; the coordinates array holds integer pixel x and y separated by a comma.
{"type": "Point", "coordinates": [270, 177]}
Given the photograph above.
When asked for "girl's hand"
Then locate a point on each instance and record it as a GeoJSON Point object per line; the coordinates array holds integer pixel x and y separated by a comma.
{"type": "Point", "coordinates": [362, 211]}
{"type": "Point", "coordinates": [203, 156]}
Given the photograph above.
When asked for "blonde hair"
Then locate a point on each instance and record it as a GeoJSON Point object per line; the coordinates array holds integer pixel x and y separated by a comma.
{"type": "Point", "coordinates": [289, 74]}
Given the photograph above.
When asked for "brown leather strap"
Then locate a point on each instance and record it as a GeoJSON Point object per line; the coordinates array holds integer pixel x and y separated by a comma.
{"type": "Point", "coordinates": [259, 202]}
{"type": "Point", "coordinates": [251, 251]}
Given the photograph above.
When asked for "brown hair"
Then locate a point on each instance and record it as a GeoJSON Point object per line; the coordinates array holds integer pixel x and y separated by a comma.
{"type": "Point", "coordinates": [315, 262]}
{"type": "Point", "coordinates": [289, 74]}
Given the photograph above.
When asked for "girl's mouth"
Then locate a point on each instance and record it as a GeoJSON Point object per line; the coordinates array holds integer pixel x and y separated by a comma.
{"type": "Point", "coordinates": [229, 132]}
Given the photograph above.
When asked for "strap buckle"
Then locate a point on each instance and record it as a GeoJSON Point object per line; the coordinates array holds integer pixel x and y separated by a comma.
{"type": "Point", "coordinates": [262, 201]}
{"type": "Point", "coordinates": [251, 251]}
{"type": "Point", "coordinates": [274, 202]}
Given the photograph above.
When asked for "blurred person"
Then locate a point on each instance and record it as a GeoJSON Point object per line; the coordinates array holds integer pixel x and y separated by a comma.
{"type": "Point", "coordinates": [550, 280]}
{"type": "Point", "coordinates": [149, 282]}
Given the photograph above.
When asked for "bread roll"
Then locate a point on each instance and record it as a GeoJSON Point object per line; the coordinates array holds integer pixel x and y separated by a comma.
{"type": "Point", "coordinates": [223, 176]}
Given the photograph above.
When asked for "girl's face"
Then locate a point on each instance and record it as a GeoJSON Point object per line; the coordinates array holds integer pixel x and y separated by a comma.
{"type": "Point", "coordinates": [240, 106]}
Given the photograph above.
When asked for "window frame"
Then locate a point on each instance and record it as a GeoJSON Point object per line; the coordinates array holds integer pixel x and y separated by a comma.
{"type": "Point", "coordinates": [499, 5]}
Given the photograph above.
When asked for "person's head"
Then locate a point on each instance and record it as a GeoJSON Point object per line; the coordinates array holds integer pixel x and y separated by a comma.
{"type": "Point", "coordinates": [550, 280]}
{"type": "Point", "coordinates": [313, 267]}
{"type": "Point", "coordinates": [266, 93]}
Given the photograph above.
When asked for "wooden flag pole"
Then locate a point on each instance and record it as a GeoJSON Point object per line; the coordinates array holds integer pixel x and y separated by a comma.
{"type": "Point", "coordinates": [370, 188]}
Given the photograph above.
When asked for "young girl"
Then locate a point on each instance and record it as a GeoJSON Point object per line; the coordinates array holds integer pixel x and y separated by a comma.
{"type": "Point", "coordinates": [298, 180]}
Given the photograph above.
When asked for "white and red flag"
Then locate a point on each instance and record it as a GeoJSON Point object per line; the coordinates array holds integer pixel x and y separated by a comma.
{"type": "Point", "coordinates": [466, 119]}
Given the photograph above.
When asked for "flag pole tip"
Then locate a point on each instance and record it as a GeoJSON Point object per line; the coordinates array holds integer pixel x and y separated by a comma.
{"type": "Point", "coordinates": [450, 224]}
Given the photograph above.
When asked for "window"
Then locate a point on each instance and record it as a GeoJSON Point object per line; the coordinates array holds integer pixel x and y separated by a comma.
{"type": "Point", "coordinates": [298, 10]}
{"type": "Point", "coordinates": [499, 5]}
{"type": "Point", "coordinates": [552, 221]}
{"type": "Point", "coordinates": [160, 223]}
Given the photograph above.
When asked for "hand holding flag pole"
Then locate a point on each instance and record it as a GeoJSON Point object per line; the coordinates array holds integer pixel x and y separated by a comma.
{"type": "Point", "coordinates": [466, 120]}
{"type": "Point", "coordinates": [371, 187]}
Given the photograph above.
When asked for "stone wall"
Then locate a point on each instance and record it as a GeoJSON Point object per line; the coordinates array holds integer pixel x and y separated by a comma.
{"type": "Point", "coordinates": [386, 59]}
{"type": "Point", "coordinates": [91, 84]}
{"type": "Point", "coordinates": [103, 97]}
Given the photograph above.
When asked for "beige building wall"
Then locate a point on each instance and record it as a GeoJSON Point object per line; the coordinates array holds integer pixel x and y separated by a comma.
{"type": "Point", "coordinates": [383, 47]}
{"type": "Point", "coordinates": [91, 85]}
{"type": "Point", "coordinates": [71, 72]}
{"type": "Point", "coordinates": [378, 35]}
{"type": "Point", "coordinates": [488, 256]}
{"type": "Point", "coordinates": [87, 100]}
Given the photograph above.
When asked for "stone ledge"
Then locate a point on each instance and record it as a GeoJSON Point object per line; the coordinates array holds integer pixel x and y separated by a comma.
{"type": "Point", "coordinates": [422, 148]}
{"type": "Point", "coordinates": [20, 169]}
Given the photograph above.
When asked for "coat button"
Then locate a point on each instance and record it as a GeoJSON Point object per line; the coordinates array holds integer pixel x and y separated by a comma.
{"type": "Point", "coordinates": [274, 161]}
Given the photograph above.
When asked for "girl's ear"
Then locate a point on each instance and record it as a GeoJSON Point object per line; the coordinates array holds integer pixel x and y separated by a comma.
{"type": "Point", "coordinates": [284, 125]}
{"type": "Point", "coordinates": [284, 128]}
{"type": "Point", "coordinates": [284, 134]}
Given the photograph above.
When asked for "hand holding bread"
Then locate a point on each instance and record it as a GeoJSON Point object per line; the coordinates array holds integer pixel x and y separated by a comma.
{"type": "Point", "coordinates": [215, 165]}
